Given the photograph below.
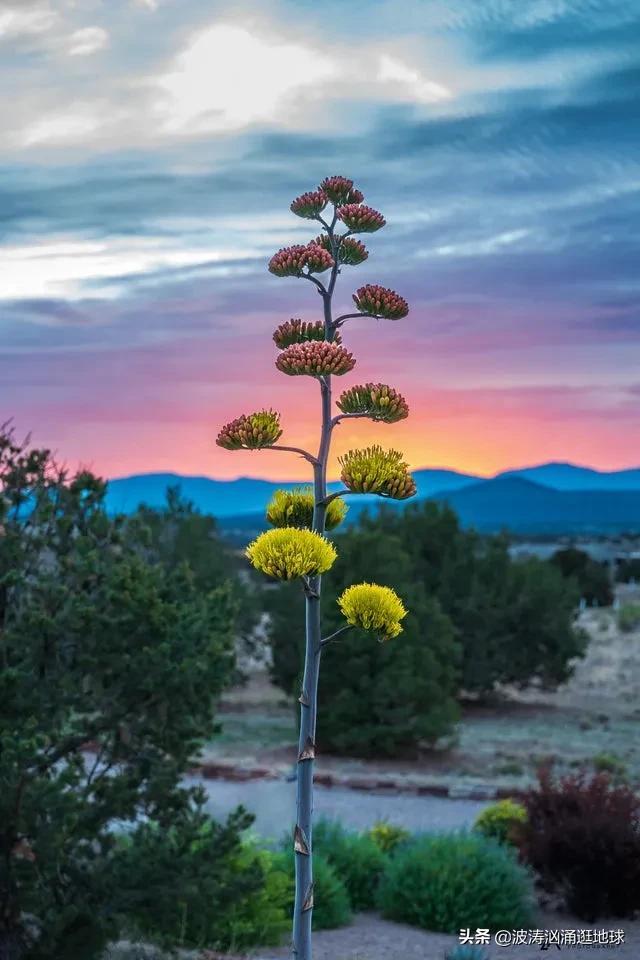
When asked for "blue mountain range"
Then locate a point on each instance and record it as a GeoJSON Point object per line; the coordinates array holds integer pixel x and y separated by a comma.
{"type": "Point", "coordinates": [548, 498]}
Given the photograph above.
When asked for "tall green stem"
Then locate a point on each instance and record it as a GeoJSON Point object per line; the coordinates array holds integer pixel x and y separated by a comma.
{"type": "Point", "coordinates": [303, 841]}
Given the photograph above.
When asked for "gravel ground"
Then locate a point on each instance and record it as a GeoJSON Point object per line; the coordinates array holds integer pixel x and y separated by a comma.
{"type": "Point", "coordinates": [371, 938]}
{"type": "Point", "coordinates": [273, 803]}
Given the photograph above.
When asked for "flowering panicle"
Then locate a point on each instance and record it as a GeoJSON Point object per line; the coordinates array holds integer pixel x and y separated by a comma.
{"type": "Point", "coordinates": [374, 470]}
{"type": "Point", "coordinates": [372, 607]}
{"type": "Point", "coordinates": [380, 302]}
{"type": "Point", "coordinates": [252, 432]}
{"type": "Point", "coordinates": [315, 359]}
{"type": "Point", "coordinates": [375, 400]}
{"type": "Point", "coordinates": [288, 553]}
{"type": "Point", "coordinates": [310, 204]}
{"type": "Point", "coordinates": [341, 190]}
{"type": "Point", "coordinates": [294, 508]}
{"type": "Point", "coordinates": [300, 331]}
{"type": "Point", "coordinates": [360, 219]}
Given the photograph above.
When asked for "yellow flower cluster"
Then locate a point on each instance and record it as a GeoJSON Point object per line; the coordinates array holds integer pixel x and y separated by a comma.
{"type": "Point", "coordinates": [288, 553]}
{"type": "Point", "coordinates": [374, 470]}
{"type": "Point", "coordinates": [294, 508]}
{"type": "Point", "coordinates": [372, 607]}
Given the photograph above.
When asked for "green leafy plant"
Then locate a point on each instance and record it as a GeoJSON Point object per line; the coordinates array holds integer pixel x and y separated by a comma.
{"type": "Point", "coordinates": [356, 858]}
{"type": "Point", "coordinates": [296, 552]}
{"type": "Point", "coordinates": [501, 819]}
{"type": "Point", "coordinates": [388, 836]}
{"type": "Point", "coordinates": [446, 882]}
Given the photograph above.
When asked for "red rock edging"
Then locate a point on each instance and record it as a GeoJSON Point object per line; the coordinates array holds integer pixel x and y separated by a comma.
{"type": "Point", "coordinates": [221, 770]}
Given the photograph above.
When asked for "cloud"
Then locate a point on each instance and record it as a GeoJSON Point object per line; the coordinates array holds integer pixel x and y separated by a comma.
{"type": "Point", "coordinates": [89, 40]}
{"type": "Point", "coordinates": [25, 19]}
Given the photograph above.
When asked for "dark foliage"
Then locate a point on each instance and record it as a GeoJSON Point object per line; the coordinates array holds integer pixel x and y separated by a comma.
{"type": "Point", "coordinates": [377, 698]}
{"type": "Point", "coordinates": [97, 645]}
{"type": "Point", "coordinates": [592, 578]}
{"type": "Point", "coordinates": [582, 838]}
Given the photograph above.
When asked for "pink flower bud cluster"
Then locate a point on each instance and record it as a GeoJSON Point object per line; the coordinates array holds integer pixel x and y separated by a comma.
{"type": "Point", "coordinates": [341, 190]}
{"type": "Point", "coordinates": [380, 302]}
{"type": "Point", "coordinates": [252, 432]}
{"type": "Point", "coordinates": [309, 205]}
{"type": "Point", "coordinates": [315, 359]}
{"type": "Point", "coordinates": [376, 400]}
{"type": "Point", "coordinates": [360, 219]}
{"type": "Point", "coordinates": [291, 261]}
{"type": "Point", "coordinates": [300, 331]}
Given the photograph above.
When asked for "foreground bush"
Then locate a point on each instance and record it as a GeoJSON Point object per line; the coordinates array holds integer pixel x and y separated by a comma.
{"type": "Point", "coordinates": [99, 645]}
{"type": "Point", "coordinates": [501, 820]}
{"type": "Point", "coordinates": [582, 837]}
{"type": "Point", "coordinates": [356, 858]}
{"type": "Point", "coordinates": [225, 894]}
{"type": "Point", "coordinates": [448, 881]}
{"type": "Point", "coordinates": [331, 906]}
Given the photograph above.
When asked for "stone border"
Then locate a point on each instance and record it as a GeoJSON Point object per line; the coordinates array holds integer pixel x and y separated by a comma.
{"type": "Point", "coordinates": [219, 770]}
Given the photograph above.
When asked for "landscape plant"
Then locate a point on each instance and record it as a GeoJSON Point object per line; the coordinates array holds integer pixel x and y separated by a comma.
{"type": "Point", "coordinates": [582, 838]}
{"type": "Point", "coordinates": [102, 649]}
{"type": "Point", "coordinates": [449, 881]}
{"type": "Point", "coordinates": [300, 550]}
{"type": "Point", "coordinates": [356, 858]}
{"type": "Point", "coordinates": [501, 820]}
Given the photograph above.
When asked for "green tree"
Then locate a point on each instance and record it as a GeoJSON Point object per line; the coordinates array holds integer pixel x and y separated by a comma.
{"type": "Point", "coordinates": [97, 646]}
{"type": "Point", "coordinates": [379, 698]}
{"type": "Point", "coordinates": [591, 577]}
{"type": "Point", "coordinates": [514, 620]}
{"type": "Point", "coordinates": [180, 534]}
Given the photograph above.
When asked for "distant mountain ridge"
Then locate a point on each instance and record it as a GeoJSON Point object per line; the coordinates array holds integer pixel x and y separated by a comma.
{"type": "Point", "coordinates": [548, 498]}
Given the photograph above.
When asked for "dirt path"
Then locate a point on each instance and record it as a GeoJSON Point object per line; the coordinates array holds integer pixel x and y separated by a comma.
{"type": "Point", "coordinates": [371, 938]}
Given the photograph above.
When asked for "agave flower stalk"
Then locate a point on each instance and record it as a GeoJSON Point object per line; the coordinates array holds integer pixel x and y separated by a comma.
{"type": "Point", "coordinates": [296, 548]}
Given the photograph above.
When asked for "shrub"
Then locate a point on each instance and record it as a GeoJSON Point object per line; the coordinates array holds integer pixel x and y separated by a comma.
{"type": "Point", "coordinates": [226, 894]}
{"type": "Point", "coordinates": [356, 858]}
{"type": "Point", "coordinates": [500, 820]}
{"type": "Point", "coordinates": [388, 836]}
{"type": "Point", "coordinates": [331, 906]}
{"type": "Point", "coordinates": [445, 882]}
{"type": "Point", "coordinates": [582, 837]}
{"type": "Point", "coordinates": [628, 617]}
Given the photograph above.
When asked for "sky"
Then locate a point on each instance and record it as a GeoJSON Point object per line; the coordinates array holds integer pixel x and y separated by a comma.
{"type": "Point", "coordinates": [151, 149]}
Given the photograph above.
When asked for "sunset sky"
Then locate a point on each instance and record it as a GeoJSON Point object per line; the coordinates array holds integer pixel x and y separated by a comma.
{"type": "Point", "coordinates": [150, 151]}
